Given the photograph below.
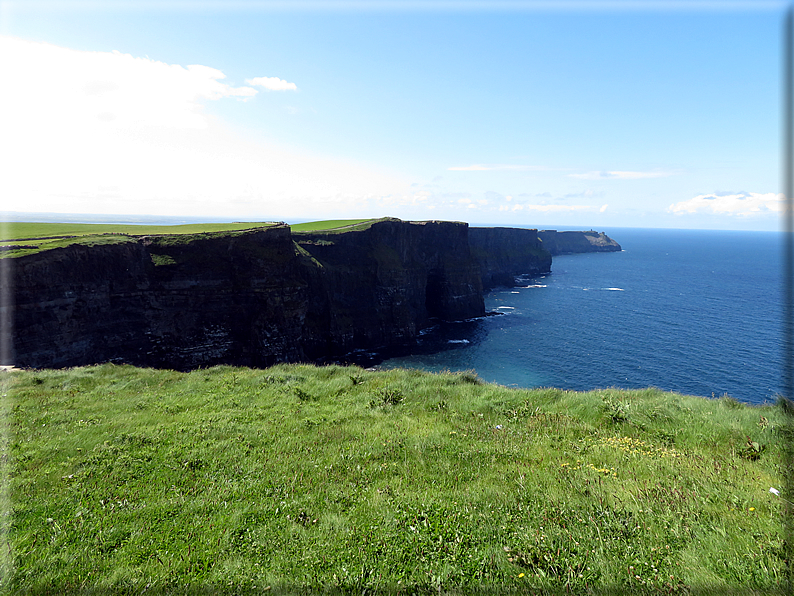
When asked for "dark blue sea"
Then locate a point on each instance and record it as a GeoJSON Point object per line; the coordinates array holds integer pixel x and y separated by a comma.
{"type": "Point", "coordinates": [692, 311]}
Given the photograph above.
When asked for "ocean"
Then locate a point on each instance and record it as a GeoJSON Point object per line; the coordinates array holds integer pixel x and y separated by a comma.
{"type": "Point", "coordinates": [692, 311]}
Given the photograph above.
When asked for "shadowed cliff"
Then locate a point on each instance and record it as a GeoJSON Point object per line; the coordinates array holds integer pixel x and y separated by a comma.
{"type": "Point", "coordinates": [505, 253]}
{"type": "Point", "coordinates": [378, 287]}
{"type": "Point", "coordinates": [260, 296]}
{"type": "Point", "coordinates": [252, 298]}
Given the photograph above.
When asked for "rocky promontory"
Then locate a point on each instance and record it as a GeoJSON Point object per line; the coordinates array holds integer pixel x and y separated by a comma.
{"type": "Point", "coordinates": [563, 243]}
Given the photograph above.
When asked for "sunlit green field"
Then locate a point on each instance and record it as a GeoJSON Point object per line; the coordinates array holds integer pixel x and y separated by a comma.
{"type": "Point", "coordinates": [22, 238]}
{"type": "Point", "coordinates": [303, 478]}
{"type": "Point", "coordinates": [33, 231]}
{"type": "Point", "coordinates": [330, 224]}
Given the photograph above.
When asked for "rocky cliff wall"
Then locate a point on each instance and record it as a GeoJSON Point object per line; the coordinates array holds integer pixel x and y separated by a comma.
{"type": "Point", "coordinates": [249, 298]}
{"type": "Point", "coordinates": [382, 285]}
{"type": "Point", "coordinates": [561, 243]}
{"type": "Point", "coordinates": [170, 301]}
{"type": "Point", "coordinates": [263, 296]}
{"type": "Point", "coordinates": [504, 253]}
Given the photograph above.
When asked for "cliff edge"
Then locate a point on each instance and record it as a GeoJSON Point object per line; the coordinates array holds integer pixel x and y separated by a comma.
{"type": "Point", "coordinates": [249, 298]}
{"type": "Point", "coordinates": [255, 297]}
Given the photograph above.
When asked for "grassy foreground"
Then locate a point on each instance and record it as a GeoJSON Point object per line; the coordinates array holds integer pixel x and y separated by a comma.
{"type": "Point", "coordinates": [299, 478]}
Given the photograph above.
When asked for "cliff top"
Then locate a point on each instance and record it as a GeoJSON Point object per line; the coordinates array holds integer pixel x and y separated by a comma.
{"type": "Point", "coordinates": [334, 225]}
{"type": "Point", "coordinates": [22, 238]}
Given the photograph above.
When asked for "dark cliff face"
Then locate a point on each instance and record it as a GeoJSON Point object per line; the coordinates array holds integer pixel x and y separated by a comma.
{"type": "Point", "coordinates": [382, 285]}
{"type": "Point", "coordinates": [561, 243]}
{"type": "Point", "coordinates": [162, 301]}
{"type": "Point", "coordinates": [263, 296]}
{"type": "Point", "coordinates": [61, 301]}
{"type": "Point", "coordinates": [504, 253]}
{"type": "Point", "coordinates": [251, 298]}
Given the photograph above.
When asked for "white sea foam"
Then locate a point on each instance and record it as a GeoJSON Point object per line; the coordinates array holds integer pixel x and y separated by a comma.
{"type": "Point", "coordinates": [533, 286]}
{"type": "Point", "coordinates": [458, 341]}
{"type": "Point", "coordinates": [466, 320]}
{"type": "Point", "coordinates": [510, 307]}
{"type": "Point", "coordinates": [615, 289]}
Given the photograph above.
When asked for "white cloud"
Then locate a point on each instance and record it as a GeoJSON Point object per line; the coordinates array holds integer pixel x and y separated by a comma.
{"type": "Point", "coordinates": [272, 84]}
{"type": "Point", "coordinates": [559, 208]}
{"type": "Point", "coordinates": [47, 88]}
{"type": "Point", "coordinates": [741, 204]}
{"type": "Point", "coordinates": [493, 196]}
{"type": "Point", "coordinates": [588, 193]}
{"type": "Point", "coordinates": [492, 167]}
{"type": "Point", "coordinates": [105, 132]}
{"type": "Point", "coordinates": [618, 175]}
{"type": "Point", "coordinates": [603, 208]}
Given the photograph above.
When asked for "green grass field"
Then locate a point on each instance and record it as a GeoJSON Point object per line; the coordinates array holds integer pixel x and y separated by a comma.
{"type": "Point", "coordinates": [331, 224]}
{"type": "Point", "coordinates": [32, 231]}
{"type": "Point", "coordinates": [28, 237]}
{"type": "Point", "coordinates": [23, 238]}
{"type": "Point", "coordinates": [304, 479]}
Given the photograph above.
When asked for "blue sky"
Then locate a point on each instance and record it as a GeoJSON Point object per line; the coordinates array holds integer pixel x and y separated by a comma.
{"type": "Point", "coordinates": [585, 114]}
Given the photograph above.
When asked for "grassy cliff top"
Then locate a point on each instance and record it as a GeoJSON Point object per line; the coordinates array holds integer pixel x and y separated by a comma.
{"type": "Point", "coordinates": [340, 226]}
{"type": "Point", "coordinates": [334, 225]}
{"type": "Point", "coordinates": [21, 238]}
{"type": "Point", "coordinates": [18, 231]}
{"type": "Point", "coordinates": [322, 478]}
{"type": "Point", "coordinates": [34, 231]}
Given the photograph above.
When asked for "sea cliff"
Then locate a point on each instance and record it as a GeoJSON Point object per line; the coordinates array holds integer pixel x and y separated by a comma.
{"type": "Point", "coordinates": [378, 287]}
{"type": "Point", "coordinates": [251, 298]}
{"type": "Point", "coordinates": [562, 243]}
{"type": "Point", "coordinates": [505, 253]}
{"type": "Point", "coordinates": [261, 296]}
{"type": "Point", "coordinates": [168, 301]}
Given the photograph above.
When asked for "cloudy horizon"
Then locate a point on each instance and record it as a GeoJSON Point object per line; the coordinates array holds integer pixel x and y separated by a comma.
{"type": "Point", "coordinates": [514, 118]}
